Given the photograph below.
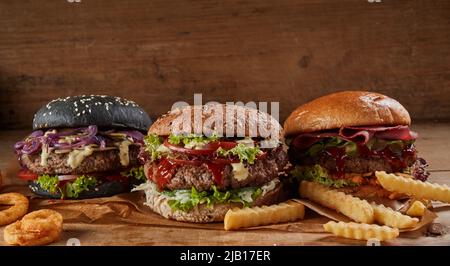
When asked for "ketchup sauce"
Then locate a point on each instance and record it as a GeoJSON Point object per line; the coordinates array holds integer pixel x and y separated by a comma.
{"type": "Point", "coordinates": [398, 161]}
{"type": "Point", "coordinates": [339, 155]}
{"type": "Point", "coordinates": [216, 169]}
{"type": "Point", "coordinates": [163, 173]}
{"type": "Point", "coordinates": [166, 168]}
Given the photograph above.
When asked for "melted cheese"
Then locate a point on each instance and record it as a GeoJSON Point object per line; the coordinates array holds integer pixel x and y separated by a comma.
{"type": "Point", "coordinates": [44, 155]}
{"type": "Point", "coordinates": [124, 152]}
{"type": "Point", "coordinates": [240, 171]}
{"type": "Point", "coordinates": [77, 156]}
{"type": "Point", "coordinates": [247, 142]}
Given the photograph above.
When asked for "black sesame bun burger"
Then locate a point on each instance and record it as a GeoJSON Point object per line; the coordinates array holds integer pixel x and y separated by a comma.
{"type": "Point", "coordinates": [84, 147]}
{"type": "Point", "coordinates": [197, 176]}
{"type": "Point", "coordinates": [340, 140]}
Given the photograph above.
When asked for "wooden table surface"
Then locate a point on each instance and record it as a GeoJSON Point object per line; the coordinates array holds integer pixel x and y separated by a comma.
{"type": "Point", "coordinates": [432, 145]}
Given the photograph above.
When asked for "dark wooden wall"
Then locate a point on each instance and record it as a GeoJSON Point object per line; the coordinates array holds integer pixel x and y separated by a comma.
{"type": "Point", "coordinates": [158, 52]}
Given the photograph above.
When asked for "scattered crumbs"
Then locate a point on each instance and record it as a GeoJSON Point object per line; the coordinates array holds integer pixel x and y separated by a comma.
{"type": "Point", "coordinates": [436, 229]}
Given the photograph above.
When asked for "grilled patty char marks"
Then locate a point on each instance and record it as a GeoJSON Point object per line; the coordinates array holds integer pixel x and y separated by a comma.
{"type": "Point", "coordinates": [98, 161]}
{"type": "Point", "coordinates": [200, 177]}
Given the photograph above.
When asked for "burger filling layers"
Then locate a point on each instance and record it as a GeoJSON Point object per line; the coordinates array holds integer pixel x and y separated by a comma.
{"type": "Point", "coordinates": [191, 170]}
{"type": "Point", "coordinates": [350, 156]}
{"type": "Point", "coordinates": [70, 161]}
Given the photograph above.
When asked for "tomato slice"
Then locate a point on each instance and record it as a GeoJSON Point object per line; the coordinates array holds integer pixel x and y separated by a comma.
{"type": "Point", "coordinates": [67, 177]}
{"type": "Point", "coordinates": [27, 175]}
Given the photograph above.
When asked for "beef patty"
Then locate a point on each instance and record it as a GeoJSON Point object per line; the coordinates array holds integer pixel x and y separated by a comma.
{"type": "Point", "coordinates": [357, 164]}
{"type": "Point", "coordinates": [200, 177]}
{"type": "Point", "coordinates": [98, 161]}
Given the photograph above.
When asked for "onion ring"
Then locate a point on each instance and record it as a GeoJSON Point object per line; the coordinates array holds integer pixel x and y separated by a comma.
{"type": "Point", "coordinates": [36, 228]}
{"type": "Point", "coordinates": [42, 220]}
{"type": "Point", "coordinates": [18, 209]}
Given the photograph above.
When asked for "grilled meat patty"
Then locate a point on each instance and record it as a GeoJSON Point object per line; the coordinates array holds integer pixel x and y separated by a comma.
{"type": "Point", "coordinates": [200, 177]}
{"type": "Point", "coordinates": [98, 161]}
{"type": "Point", "coordinates": [356, 165]}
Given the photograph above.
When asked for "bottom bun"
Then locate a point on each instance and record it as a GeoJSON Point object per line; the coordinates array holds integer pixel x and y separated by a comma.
{"type": "Point", "coordinates": [204, 214]}
{"type": "Point", "coordinates": [105, 189]}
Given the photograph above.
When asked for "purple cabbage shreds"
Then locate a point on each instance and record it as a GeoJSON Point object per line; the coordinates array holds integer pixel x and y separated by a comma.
{"type": "Point", "coordinates": [84, 136]}
{"type": "Point", "coordinates": [419, 169]}
{"type": "Point", "coordinates": [134, 134]}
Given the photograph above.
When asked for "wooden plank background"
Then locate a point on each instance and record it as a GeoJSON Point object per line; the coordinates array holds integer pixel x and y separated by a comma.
{"type": "Point", "coordinates": [158, 52]}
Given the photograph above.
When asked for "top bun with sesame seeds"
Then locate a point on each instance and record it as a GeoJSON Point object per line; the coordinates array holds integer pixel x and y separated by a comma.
{"type": "Point", "coordinates": [100, 110]}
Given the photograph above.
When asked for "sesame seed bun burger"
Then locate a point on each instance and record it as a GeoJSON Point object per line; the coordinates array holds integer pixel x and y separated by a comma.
{"type": "Point", "coordinates": [84, 147]}
{"type": "Point", "coordinates": [341, 139]}
{"type": "Point", "coordinates": [201, 161]}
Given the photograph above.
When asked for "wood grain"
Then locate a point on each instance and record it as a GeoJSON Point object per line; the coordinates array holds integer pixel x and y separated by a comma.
{"type": "Point", "coordinates": [158, 52]}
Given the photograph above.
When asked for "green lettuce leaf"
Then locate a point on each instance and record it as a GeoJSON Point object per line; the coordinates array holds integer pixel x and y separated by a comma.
{"type": "Point", "coordinates": [191, 141]}
{"type": "Point", "coordinates": [49, 183]}
{"type": "Point", "coordinates": [70, 189]}
{"type": "Point", "coordinates": [244, 152]}
{"type": "Point", "coordinates": [136, 173]}
{"type": "Point", "coordinates": [185, 200]}
{"type": "Point", "coordinates": [318, 174]}
{"type": "Point", "coordinates": [152, 143]}
{"type": "Point", "coordinates": [82, 183]}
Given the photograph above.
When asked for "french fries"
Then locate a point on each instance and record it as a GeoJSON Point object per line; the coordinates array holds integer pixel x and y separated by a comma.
{"type": "Point", "coordinates": [352, 207]}
{"type": "Point", "coordinates": [288, 211]}
{"type": "Point", "coordinates": [417, 209]}
{"type": "Point", "coordinates": [387, 216]}
{"type": "Point", "coordinates": [411, 187]}
{"type": "Point", "coordinates": [361, 231]}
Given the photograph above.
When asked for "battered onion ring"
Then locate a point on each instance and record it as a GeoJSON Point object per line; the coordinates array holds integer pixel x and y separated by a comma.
{"type": "Point", "coordinates": [18, 209]}
{"type": "Point", "coordinates": [42, 220]}
{"type": "Point", "coordinates": [36, 228]}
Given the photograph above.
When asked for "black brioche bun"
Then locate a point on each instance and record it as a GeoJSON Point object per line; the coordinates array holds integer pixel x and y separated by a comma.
{"type": "Point", "coordinates": [100, 110]}
{"type": "Point", "coordinates": [104, 189]}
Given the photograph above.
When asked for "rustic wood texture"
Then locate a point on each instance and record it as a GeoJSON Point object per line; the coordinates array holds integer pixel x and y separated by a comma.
{"type": "Point", "coordinates": [159, 52]}
{"type": "Point", "coordinates": [160, 231]}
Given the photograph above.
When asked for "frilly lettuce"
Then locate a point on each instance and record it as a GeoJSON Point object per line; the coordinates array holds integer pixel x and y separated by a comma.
{"type": "Point", "coordinates": [71, 189]}
{"type": "Point", "coordinates": [318, 174]}
{"type": "Point", "coordinates": [187, 199]}
{"type": "Point", "coordinates": [244, 152]}
{"type": "Point", "coordinates": [136, 173]}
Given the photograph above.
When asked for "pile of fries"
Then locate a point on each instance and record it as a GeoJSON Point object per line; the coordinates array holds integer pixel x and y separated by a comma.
{"type": "Point", "coordinates": [371, 220]}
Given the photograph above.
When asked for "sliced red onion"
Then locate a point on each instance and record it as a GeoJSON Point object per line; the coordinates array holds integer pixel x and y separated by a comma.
{"type": "Point", "coordinates": [89, 135]}
{"type": "Point", "coordinates": [67, 177]}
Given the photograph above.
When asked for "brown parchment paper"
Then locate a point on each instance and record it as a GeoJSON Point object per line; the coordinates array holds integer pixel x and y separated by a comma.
{"type": "Point", "coordinates": [131, 223]}
{"type": "Point", "coordinates": [426, 219]}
